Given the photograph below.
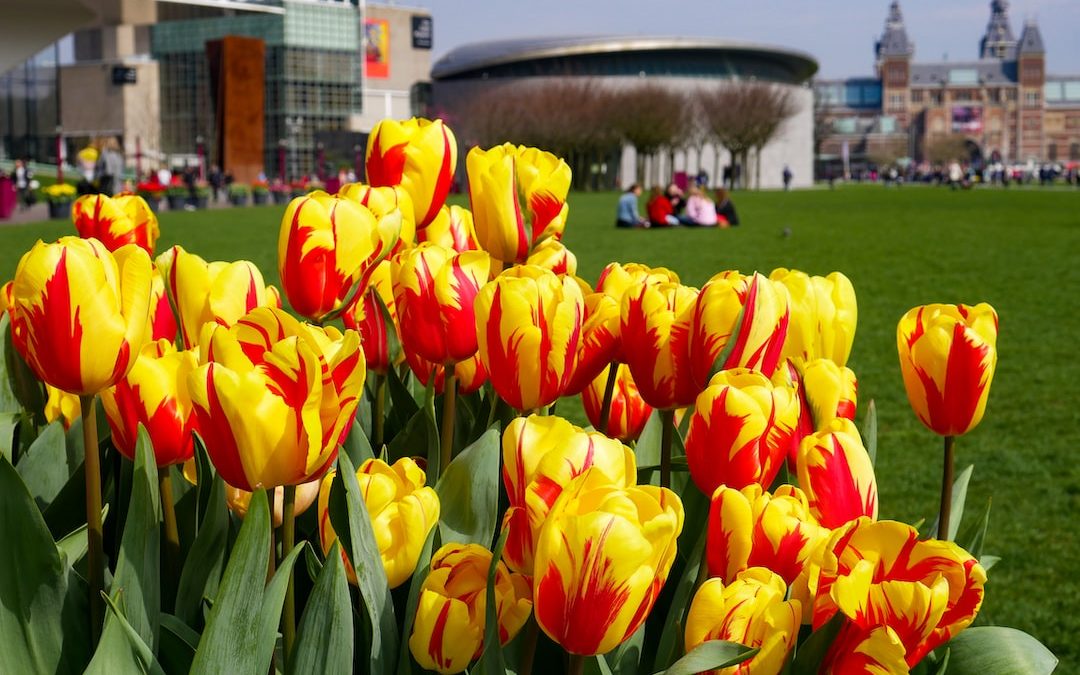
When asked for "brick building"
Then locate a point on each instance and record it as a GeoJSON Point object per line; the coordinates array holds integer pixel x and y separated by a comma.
{"type": "Point", "coordinates": [1001, 106]}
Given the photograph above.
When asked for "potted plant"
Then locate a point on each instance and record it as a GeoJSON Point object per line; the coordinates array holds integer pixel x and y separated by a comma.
{"type": "Point", "coordinates": [202, 195]}
{"type": "Point", "coordinates": [177, 196]}
{"type": "Point", "coordinates": [314, 185]}
{"type": "Point", "coordinates": [59, 196]}
{"type": "Point", "coordinates": [151, 191]}
{"type": "Point", "coordinates": [260, 192]}
{"type": "Point", "coordinates": [299, 187]}
{"type": "Point", "coordinates": [239, 193]}
{"type": "Point", "coordinates": [281, 193]}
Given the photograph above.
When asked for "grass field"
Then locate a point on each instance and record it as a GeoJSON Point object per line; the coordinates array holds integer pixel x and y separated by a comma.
{"type": "Point", "coordinates": [1015, 250]}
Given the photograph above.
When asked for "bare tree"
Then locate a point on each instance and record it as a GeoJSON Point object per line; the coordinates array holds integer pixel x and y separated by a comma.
{"type": "Point", "coordinates": [886, 153]}
{"type": "Point", "coordinates": [941, 149]}
{"type": "Point", "coordinates": [650, 117]}
{"type": "Point", "coordinates": [745, 117]}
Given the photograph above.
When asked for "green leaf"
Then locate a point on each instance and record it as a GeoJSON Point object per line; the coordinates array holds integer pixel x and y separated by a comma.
{"type": "Point", "coordinates": [997, 649]}
{"type": "Point", "coordinates": [400, 404]}
{"type": "Point", "coordinates": [349, 516]}
{"type": "Point", "coordinates": [324, 640]}
{"type": "Point", "coordinates": [9, 428]}
{"type": "Point", "coordinates": [647, 448]}
{"type": "Point", "coordinates": [135, 585]}
{"type": "Point", "coordinates": [357, 446]}
{"type": "Point", "coordinates": [312, 562]}
{"type": "Point", "coordinates": [73, 546]}
{"type": "Point", "coordinates": [869, 432]}
{"type": "Point", "coordinates": [423, 567]}
{"type": "Point", "coordinates": [34, 586]}
{"type": "Point", "coordinates": [67, 511]}
{"type": "Point", "coordinates": [710, 655]}
{"type": "Point", "coordinates": [943, 667]}
{"type": "Point", "coordinates": [988, 561]}
{"type": "Point", "coordinates": [21, 381]}
{"type": "Point", "coordinates": [671, 638]}
{"type": "Point", "coordinates": [176, 644]}
{"type": "Point", "coordinates": [230, 642]}
{"type": "Point", "coordinates": [491, 660]}
{"type": "Point", "coordinates": [49, 464]}
{"type": "Point", "coordinates": [201, 575]}
{"type": "Point", "coordinates": [471, 484]}
{"type": "Point", "coordinates": [273, 598]}
{"type": "Point", "coordinates": [812, 651]}
{"type": "Point", "coordinates": [972, 538]}
{"type": "Point", "coordinates": [144, 661]}
{"type": "Point", "coordinates": [959, 497]}
{"type": "Point", "coordinates": [626, 658]}
{"type": "Point", "coordinates": [418, 439]}
{"type": "Point", "coordinates": [204, 480]}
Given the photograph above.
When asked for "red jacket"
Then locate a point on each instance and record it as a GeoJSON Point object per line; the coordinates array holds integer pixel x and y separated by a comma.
{"type": "Point", "coordinates": [659, 209]}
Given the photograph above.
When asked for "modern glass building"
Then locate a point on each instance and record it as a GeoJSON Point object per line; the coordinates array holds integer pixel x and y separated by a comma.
{"type": "Point", "coordinates": [29, 108]}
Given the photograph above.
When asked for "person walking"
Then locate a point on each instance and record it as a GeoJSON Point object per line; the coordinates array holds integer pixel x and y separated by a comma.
{"type": "Point", "coordinates": [787, 177]}
{"type": "Point", "coordinates": [23, 174]}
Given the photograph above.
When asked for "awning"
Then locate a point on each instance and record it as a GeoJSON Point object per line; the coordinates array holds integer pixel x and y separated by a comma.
{"type": "Point", "coordinates": [28, 26]}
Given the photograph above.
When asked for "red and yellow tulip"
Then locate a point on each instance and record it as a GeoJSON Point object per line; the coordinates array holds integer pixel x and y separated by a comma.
{"type": "Point", "coordinates": [507, 228]}
{"type": "Point", "coordinates": [628, 413]}
{"type": "Point", "coordinates": [831, 391]}
{"type": "Point", "coordinates": [116, 221]}
{"type": "Point", "coordinates": [60, 405]}
{"type": "Point", "coordinates": [603, 555]}
{"type": "Point", "coordinates": [154, 393]}
{"type": "Point", "coordinates": [750, 610]}
{"type": "Point", "coordinates": [600, 340]}
{"type": "Point", "coordinates": [528, 324]}
{"type": "Point", "coordinates": [448, 632]}
{"type": "Point", "coordinates": [835, 471]}
{"type": "Point", "coordinates": [419, 155]}
{"type": "Point", "coordinates": [947, 356]}
{"type": "Point", "coordinates": [740, 430]}
{"type": "Point", "coordinates": [751, 528]}
{"type": "Point", "coordinates": [452, 228]}
{"type": "Point", "coordinates": [326, 246]}
{"type": "Point", "coordinates": [402, 512]}
{"type": "Point", "coordinates": [880, 574]}
{"type": "Point", "coordinates": [378, 332]}
{"type": "Point", "coordinates": [78, 312]}
{"type": "Point", "coordinates": [435, 289]}
{"type": "Point", "coordinates": [824, 314]}
{"type": "Point", "coordinates": [654, 326]}
{"type": "Point", "coordinates": [746, 316]}
{"type": "Point", "coordinates": [553, 255]}
{"type": "Point", "coordinates": [160, 321]}
{"type": "Point", "coordinates": [383, 202]}
{"type": "Point", "coordinates": [274, 398]}
{"type": "Point", "coordinates": [470, 374]}
{"type": "Point", "coordinates": [541, 455]}
{"type": "Point", "coordinates": [877, 651]}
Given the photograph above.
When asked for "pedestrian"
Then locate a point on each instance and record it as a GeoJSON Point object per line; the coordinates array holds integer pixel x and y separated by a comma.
{"type": "Point", "coordinates": [787, 177]}
{"type": "Point", "coordinates": [23, 174]}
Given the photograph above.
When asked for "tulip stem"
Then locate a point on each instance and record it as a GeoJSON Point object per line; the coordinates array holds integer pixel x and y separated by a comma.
{"type": "Point", "coordinates": [95, 547]}
{"type": "Point", "coordinates": [448, 413]}
{"type": "Point", "coordinates": [168, 512]}
{"type": "Point", "coordinates": [667, 426]}
{"type": "Point", "coordinates": [577, 665]}
{"type": "Point", "coordinates": [528, 647]}
{"type": "Point", "coordinates": [946, 489]}
{"type": "Point", "coordinates": [378, 413]}
{"type": "Point", "coordinates": [288, 538]}
{"type": "Point", "coordinates": [609, 393]}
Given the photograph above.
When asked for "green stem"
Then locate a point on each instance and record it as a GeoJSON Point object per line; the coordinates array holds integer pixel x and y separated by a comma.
{"type": "Point", "coordinates": [577, 665]}
{"type": "Point", "coordinates": [528, 647]}
{"type": "Point", "coordinates": [378, 413]}
{"type": "Point", "coordinates": [609, 393]}
{"type": "Point", "coordinates": [448, 413]}
{"type": "Point", "coordinates": [288, 531]}
{"type": "Point", "coordinates": [95, 548]}
{"type": "Point", "coordinates": [168, 512]}
{"type": "Point", "coordinates": [667, 420]}
{"type": "Point", "coordinates": [946, 489]}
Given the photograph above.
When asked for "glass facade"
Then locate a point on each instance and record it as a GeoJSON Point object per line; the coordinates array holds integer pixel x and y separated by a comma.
{"type": "Point", "coordinates": [29, 109]}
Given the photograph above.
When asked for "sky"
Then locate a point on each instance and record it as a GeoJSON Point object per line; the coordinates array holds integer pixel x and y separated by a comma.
{"type": "Point", "coordinates": [840, 34]}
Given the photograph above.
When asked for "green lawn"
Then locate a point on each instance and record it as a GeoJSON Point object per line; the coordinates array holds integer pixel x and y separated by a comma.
{"type": "Point", "coordinates": [1016, 250]}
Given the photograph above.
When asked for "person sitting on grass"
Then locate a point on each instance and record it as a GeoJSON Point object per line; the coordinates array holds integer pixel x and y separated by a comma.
{"type": "Point", "coordinates": [700, 210]}
{"type": "Point", "coordinates": [626, 214]}
{"type": "Point", "coordinates": [725, 209]}
{"type": "Point", "coordinates": [661, 212]}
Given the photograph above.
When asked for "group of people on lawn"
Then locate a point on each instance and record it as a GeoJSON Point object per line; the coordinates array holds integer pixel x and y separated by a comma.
{"type": "Point", "coordinates": [672, 207]}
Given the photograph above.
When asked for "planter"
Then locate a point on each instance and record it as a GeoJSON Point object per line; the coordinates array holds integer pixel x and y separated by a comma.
{"type": "Point", "coordinates": [238, 200]}
{"type": "Point", "coordinates": [60, 210]}
{"type": "Point", "coordinates": [177, 202]}
{"type": "Point", "coordinates": [200, 202]}
{"type": "Point", "coordinates": [260, 197]}
{"type": "Point", "coordinates": [281, 198]}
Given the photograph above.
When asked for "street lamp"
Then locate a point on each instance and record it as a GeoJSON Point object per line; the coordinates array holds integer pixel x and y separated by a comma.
{"type": "Point", "coordinates": [281, 150]}
{"type": "Point", "coordinates": [293, 126]}
{"type": "Point", "coordinates": [200, 151]}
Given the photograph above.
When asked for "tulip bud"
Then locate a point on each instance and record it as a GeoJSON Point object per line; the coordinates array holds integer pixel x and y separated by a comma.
{"type": "Point", "coordinates": [377, 328]}
{"type": "Point", "coordinates": [238, 500]}
{"type": "Point", "coordinates": [830, 391]}
{"type": "Point", "coordinates": [452, 228]}
{"type": "Point", "coordinates": [628, 413]}
{"type": "Point", "coordinates": [947, 356]}
{"type": "Point", "coordinates": [824, 314]}
{"type": "Point", "coordinates": [655, 327]}
{"type": "Point", "coordinates": [390, 201]}
{"type": "Point", "coordinates": [448, 632]}
{"type": "Point", "coordinates": [835, 471]}
{"type": "Point", "coordinates": [116, 221]}
{"type": "Point", "coordinates": [419, 155]}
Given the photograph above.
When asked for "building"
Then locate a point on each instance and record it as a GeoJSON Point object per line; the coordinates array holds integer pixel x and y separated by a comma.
{"type": "Point", "coordinates": [683, 65]}
{"type": "Point", "coordinates": [1001, 106]}
{"type": "Point", "coordinates": [285, 87]}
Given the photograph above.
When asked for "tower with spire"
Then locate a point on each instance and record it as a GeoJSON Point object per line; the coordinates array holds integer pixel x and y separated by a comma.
{"type": "Point", "coordinates": [894, 51]}
{"type": "Point", "coordinates": [998, 42]}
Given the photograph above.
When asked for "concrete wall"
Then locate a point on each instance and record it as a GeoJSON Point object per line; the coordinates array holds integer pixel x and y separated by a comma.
{"type": "Point", "coordinates": [389, 97]}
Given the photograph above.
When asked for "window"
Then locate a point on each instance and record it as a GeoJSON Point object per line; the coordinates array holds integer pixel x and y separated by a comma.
{"type": "Point", "coordinates": [1011, 94]}
{"type": "Point", "coordinates": [1051, 152]}
{"type": "Point", "coordinates": [994, 95]}
{"type": "Point", "coordinates": [1074, 152]}
{"type": "Point", "coordinates": [935, 97]}
{"type": "Point", "coordinates": [1031, 98]}
{"type": "Point", "coordinates": [916, 96]}
{"type": "Point", "coordinates": [896, 100]}
{"type": "Point", "coordinates": [962, 95]}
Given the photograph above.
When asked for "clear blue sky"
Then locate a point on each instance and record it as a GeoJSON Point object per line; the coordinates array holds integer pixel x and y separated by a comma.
{"type": "Point", "coordinates": [839, 33]}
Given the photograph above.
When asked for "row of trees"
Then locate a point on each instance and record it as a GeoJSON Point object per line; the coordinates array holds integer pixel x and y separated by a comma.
{"type": "Point", "coordinates": [587, 122]}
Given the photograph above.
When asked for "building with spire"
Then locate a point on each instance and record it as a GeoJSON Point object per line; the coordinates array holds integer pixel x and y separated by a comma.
{"type": "Point", "coordinates": [1001, 106]}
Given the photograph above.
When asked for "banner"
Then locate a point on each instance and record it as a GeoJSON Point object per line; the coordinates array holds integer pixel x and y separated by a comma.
{"type": "Point", "coordinates": [421, 32]}
{"type": "Point", "coordinates": [377, 48]}
{"type": "Point", "coordinates": [967, 120]}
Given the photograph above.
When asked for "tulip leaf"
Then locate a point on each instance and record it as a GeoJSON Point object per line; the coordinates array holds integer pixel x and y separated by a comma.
{"type": "Point", "coordinates": [869, 432]}
{"type": "Point", "coordinates": [997, 649]}
{"type": "Point", "coordinates": [403, 407]}
{"type": "Point", "coordinates": [491, 660]}
{"type": "Point", "coordinates": [959, 498]}
{"type": "Point", "coordinates": [972, 538]}
{"type": "Point", "coordinates": [357, 446]}
{"type": "Point", "coordinates": [423, 567]}
{"type": "Point", "coordinates": [143, 657]}
{"type": "Point", "coordinates": [21, 380]}
{"type": "Point", "coordinates": [647, 448]}
{"type": "Point", "coordinates": [324, 641]}
{"type": "Point", "coordinates": [67, 511]}
{"type": "Point", "coordinates": [470, 484]}
{"type": "Point", "coordinates": [176, 644]}
{"type": "Point", "coordinates": [312, 562]}
{"type": "Point", "coordinates": [273, 598]}
{"type": "Point", "coordinates": [201, 575]}
{"type": "Point", "coordinates": [812, 651]}
{"type": "Point", "coordinates": [9, 427]}
{"type": "Point", "coordinates": [43, 603]}
{"type": "Point", "coordinates": [626, 658]}
{"type": "Point", "coordinates": [988, 561]}
{"type": "Point", "coordinates": [74, 545]}
{"type": "Point", "coordinates": [711, 655]}
{"type": "Point", "coordinates": [742, 325]}
{"type": "Point", "coordinates": [671, 637]}
{"type": "Point", "coordinates": [204, 480]}
{"type": "Point", "coordinates": [9, 403]}
{"type": "Point", "coordinates": [417, 439]}
{"type": "Point", "coordinates": [943, 667]}
{"type": "Point", "coordinates": [49, 463]}
{"type": "Point", "coordinates": [230, 642]}
{"type": "Point", "coordinates": [349, 516]}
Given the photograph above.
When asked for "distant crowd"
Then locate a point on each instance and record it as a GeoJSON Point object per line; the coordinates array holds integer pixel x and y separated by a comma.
{"type": "Point", "coordinates": [964, 174]}
{"type": "Point", "coordinates": [673, 207]}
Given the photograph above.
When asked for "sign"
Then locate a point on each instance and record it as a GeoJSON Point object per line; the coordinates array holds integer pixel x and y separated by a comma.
{"type": "Point", "coordinates": [123, 75]}
{"type": "Point", "coordinates": [421, 32]}
{"type": "Point", "coordinates": [967, 120]}
{"type": "Point", "coordinates": [377, 48]}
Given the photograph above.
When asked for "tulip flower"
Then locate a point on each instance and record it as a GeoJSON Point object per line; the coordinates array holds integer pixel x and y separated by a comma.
{"type": "Point", "coordinates": [326, 247]}
{"type": "Point", "coordinates": [154, 394]}
{"type": "Point", "coordinates": [824, 314]}
{"type": "Point", "coordinates": [506, 228]}
{"type": "Point", "coordinates": [947, 357]}
{"type": "Point", "coordinates": [116, 221]}
{"type": "Point", "coordinates": [434, 292]}
{"type": "Point", "coordinates": [528, 324]}
{"type": "Point", "coordinates": [60, 405]}
{"type": "Point", "coordinates": [835, 471]}
{"type": "Point", "coordinates": [740, 430]}
{"type": "Point", "coordinates": [541, 455]}
{"type": "Point", "coordinates": [378, 329]}
{"type": "Point", "coordinates": [274, 398]}
{"type": "Point", "coordinates": [452, 228]}
{"type": "Point", "coordinates": [744, 316]}
{"type": "Point", "coordinates": [419, 155]}
{"type": "Point", "coordinates": [402, 511]}
{"type": "Point", "coordinates": [603, 555]}
{"type": "Point", "coordinates": [854, 650]}
{"type": "Point", "coordinates": [210, 293]}
{"type": "Point", "coordinates": [78, 314]}
{"type": "Point", "coordinates": [880, 574]}
{"type": "Point", "coordinates": [7, 296]}
{"type": "Point", "coordinates": [553, 255]}
{"type": "Point", "coordinates": [830, 391]}
{"type": "Point", "coordinates": [750, 610]}
{"type": "Point", "coordinates": [448, 632]}
{"type": "Point", "coordinates": [238, 500]}
{"type": "Point", "coordinates": [616, 279]}
{"type": "Point", "coordinates": [383, 202]}
{"type": "Point", "coordinates": [469, 374]}
{"type": "Point", "coordinates": [655, 327]}
{"type": "Point", "coordinates": [161, 321]}
{"type": "Point", "coordinates": [751, 528]}
{"type": "Point", "coordinates": [628, 412]}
